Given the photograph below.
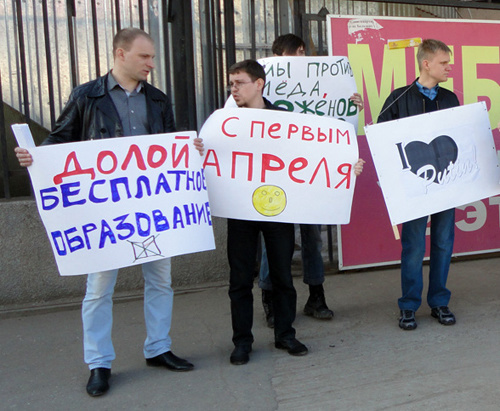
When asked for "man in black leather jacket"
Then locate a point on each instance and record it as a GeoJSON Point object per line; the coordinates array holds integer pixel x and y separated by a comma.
{"type": "Point", "coordinates": [425, 95]}
{"type": "Point", "coordinates": [121, 103]}
{"type": "Point", "coordinates": [90, 114]}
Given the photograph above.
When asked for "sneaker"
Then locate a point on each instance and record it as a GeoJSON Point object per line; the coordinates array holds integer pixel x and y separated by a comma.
{"type": "Point", "coordinates": [443, 315]}
{"type": "Point", "coordinates": [407, 321]}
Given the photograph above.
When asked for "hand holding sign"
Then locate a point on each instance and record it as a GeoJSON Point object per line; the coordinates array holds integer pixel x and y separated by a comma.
{"type": "Point", "coordinates": [24, 157]}
{"type": "Point", "coordinates": [25, 141]}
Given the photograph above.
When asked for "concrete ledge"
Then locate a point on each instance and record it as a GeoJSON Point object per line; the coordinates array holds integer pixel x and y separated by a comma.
{"type": "Point", "coordinates": [29, 275]}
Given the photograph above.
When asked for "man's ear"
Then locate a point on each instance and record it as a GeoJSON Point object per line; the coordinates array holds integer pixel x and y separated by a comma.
{"type": "Point", "coordinates": [260, 83]}
{"type": "Point", "coordinates": [119, 53]}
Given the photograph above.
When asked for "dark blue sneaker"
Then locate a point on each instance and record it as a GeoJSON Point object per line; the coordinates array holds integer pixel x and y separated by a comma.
{"type": "Point", "coordinates": [407, 321]}
{"type": "Point", "coordinates": [443, 315]}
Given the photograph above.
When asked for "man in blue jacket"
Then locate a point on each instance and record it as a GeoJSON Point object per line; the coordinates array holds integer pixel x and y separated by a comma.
{"type": "Point", "coordinates": [121, 103]}
{"type": "Point", "coordinates": [425, 95]}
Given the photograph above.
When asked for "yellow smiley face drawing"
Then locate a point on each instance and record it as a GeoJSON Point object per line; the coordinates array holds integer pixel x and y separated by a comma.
{"type": "Point", "coordinates": [269, 200]}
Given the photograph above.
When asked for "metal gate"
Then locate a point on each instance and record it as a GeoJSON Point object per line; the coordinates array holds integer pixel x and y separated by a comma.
{"type": "Point", "coordinates": [50, 46]}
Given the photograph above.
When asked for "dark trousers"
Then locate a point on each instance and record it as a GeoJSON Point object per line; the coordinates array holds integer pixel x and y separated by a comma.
{"type": "Point", "coordinates": [242, 240]}
{"type": "Point", "coordinates": [312, 260]}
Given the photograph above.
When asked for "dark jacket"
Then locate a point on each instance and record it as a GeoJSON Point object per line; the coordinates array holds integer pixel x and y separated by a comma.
{"type": "Point", "coordinates": [90, 114]}
{"type": "Point", "coordinates": [271, 106]}
{"type": "Point", "coordinates": [409, 101]}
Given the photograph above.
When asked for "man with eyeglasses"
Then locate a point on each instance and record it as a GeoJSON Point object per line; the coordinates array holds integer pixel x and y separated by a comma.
{"type": "Point", "coordinates": [246, 82]}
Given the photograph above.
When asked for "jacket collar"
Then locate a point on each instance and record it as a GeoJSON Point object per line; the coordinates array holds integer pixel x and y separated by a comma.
{"type": "Point", "coordinates": [414, 89]}
{"type": "Point", "coordinates": [99, 91]}
{"type": "Point", "coordinates": [99, 88]}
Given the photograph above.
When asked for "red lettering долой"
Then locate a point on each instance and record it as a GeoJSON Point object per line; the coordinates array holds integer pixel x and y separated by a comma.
{"type": "Point", "coordinates": [78, 169]}
{"type": "Point", "coordinates": [183, 153]}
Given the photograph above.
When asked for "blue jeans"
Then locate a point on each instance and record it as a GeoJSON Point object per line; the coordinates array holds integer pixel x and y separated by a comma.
{"type": "Point", "coordinates": [97, 313]}
{"type": "Point", "coordinates": [312, 260]}
{"type": "Point", "coordinates": [412, 255]}
{"type": "Point", "coordinates": [242, 241]}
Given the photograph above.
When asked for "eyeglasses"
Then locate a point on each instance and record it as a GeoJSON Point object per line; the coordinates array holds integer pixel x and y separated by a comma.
{"type": "Point", "coordinates": [237, 84]}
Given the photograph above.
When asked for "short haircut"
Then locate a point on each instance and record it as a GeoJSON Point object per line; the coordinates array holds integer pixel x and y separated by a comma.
{"type": "Point", "coordinates": [125, 37]}
{"type": "Point", "coordinates": [287, 44]}
{"type": "Point", "coordinates": [430, 47]}
{"type": "Point", "coordinates": [251, 67]}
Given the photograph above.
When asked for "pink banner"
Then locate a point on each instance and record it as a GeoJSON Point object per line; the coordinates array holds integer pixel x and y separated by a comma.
{"type": "Point", "coordinates": [380, 65]}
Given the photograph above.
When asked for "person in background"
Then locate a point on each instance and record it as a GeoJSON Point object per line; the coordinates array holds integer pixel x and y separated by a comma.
{"type": "Point", "coordinates": [310, 234]}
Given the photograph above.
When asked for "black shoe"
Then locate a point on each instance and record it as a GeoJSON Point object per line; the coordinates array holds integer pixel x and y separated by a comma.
{"type": "Point", "coordinates": [98, 382]}
{"type": "Point", "coordinates": [292, 345]}
{"type": "Point", "coordinates": [407, 321]}
{"type": "Point", "coordinates": [443, 315]}
{"type": "Point", "coordinates": [240, 356]}
{"type": "Point", "coordinates": [267, 303]}
{"type": "Point", "coordinates": [316, 305]}
{"type": "Point", "coordinates": [171, 361]}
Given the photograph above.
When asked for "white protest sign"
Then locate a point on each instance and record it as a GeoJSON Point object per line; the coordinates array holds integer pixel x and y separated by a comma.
{"type": "Point", "coordinates": [268, 165]}
{"type": "Point", "coordinates": [118, 202]}
{"type": "Point", "coordinates": [318, 85]}
{"type": "Point", "coordinates": [435, 161]}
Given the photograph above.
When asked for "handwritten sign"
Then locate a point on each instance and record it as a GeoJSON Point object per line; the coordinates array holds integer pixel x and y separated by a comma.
{"type": "Point", "coordinates": [118, 202]}
{"type": "Point", "coordinates": [268, 165]}
{"type": "Point", "coordinates": [435, 161]}
{"type": "Point", "coordinates": [310, 85]}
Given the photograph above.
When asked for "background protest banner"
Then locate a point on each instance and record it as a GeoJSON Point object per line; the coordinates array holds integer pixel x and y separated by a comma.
{"type": "Point", "coordinates": [268, 165]}
{"type": "Point", "coordinates": [379, 65]}
{"type": "Point", "coordinates": [319, 85]}
{"type": "Point", "coordinates": [435, 161]}
{"type": "Point", "coordinates": [118, 202]}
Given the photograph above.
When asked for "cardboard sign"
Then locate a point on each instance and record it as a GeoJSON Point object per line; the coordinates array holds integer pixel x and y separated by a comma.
{"type": "Point", "coordinates": [319, 85]}
{"type": "Point", "coordinates": [435, 161]}
{"type": "Point", "coordinates": [118, 202]}
{"type": "Point", "coordinates": [268, 165]}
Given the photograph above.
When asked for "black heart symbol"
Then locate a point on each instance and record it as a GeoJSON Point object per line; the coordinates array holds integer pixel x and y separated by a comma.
{"type": "Point", "coordinates": [437, 155]}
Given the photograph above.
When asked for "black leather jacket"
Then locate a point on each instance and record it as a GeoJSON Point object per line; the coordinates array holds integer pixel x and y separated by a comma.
{"type": "Point", "coordinates": [90, 114]}
{"type": "Point", "coordinates": [409, 101]}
